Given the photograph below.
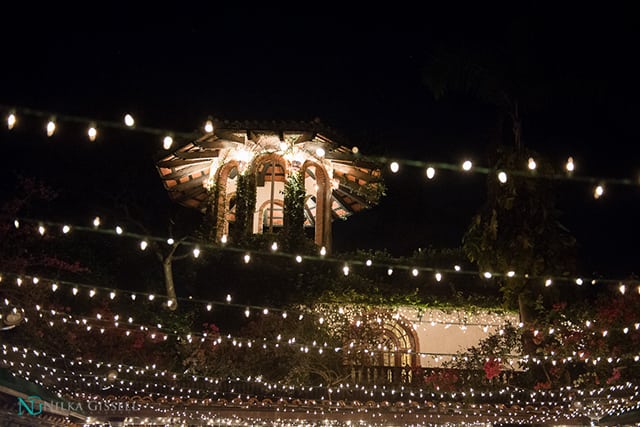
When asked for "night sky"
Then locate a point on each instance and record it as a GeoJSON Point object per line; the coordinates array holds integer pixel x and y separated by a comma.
{"type": "Point", "coordinates": [361, 75]}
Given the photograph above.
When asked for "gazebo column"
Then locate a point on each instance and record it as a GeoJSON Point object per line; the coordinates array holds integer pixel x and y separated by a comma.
{"type": "Point", "coordinates": [323, 211]}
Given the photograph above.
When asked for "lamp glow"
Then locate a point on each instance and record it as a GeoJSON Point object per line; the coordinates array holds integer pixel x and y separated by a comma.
{"type": "Point", "coordinates": [208, 126]}
{"type": "Point", "coordinates": [11, 121]}
{"type": "Point", "coordinates": [467, 165]}
{"type": "Point", "coordinates": [531, 164]}
{"type": "Point", "coordinates": [431, 172]}
{"type": "Point", "coordinates": [502, 177]}
{"type": "Point", "coordinates": [570, 166]}
{"type": "Point", "coordinates": [394, 166]}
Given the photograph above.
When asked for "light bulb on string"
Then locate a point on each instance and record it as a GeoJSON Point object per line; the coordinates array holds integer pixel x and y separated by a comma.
{"type": "Point", "coordinates": [247, 258]}
{"type": "Point", "coordinates": [11, 120]}
{"type": "Point", "coordinates": [223, 239]}
{"type": "Point", "coordinates": [431, 172]}
{"type": "Point", "coordinates": [570, 166]}
{"type": "Point", "coordinates": [323, 251]}
{"type": "Point", "coordinates": [247, 312]}
{"type": "Point", "coordinates": [208, 126]}
{"type": "Point", "coordinates": [345, 270]}
{"type": "Point", "coordinates": [66, 229]}
{"type": "Point", "coordinates": [167, 142]}
{"type": "Point", "coordinates": [51, 127]}
{"type": "Point", "coordinates": [128, 120]}
{"type": "Point", "coordinates": [298, 259]}
{"type": "Point", "coordinates": [414, 272]}
{"type": "Point", "coordinates": [502, 177]}
{"type": "Point", "coordinates": [579, 281]}
{"type": "Point", "coordinates": [274, 246]}
{"type": "Point", "coordinates": [394, 167]}
{"type": "Point", "coordinates": [598, 192]}
{"type": "Point", "coordinates": [467, 165]}
{"type": "Point", "coordinates": [92, 132]}
{"type": "Point", "coordinates": [389, 271]}
{"type": "Point", "coordinates": [119, 230]}
{"type": "Point", "coordinates": [228, 298]}
{"type": "Point", "coordinates": [196, 252]}
{"type": "Point", "coordinates": [531, 164]}
{"type": "Point", "coordinates": [96, 221]}
{"type": "Point", "coordinates": [143, 245]}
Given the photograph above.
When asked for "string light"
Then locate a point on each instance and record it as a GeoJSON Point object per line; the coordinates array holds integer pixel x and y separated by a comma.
{"type": "Point", "coordinates": [598, 192]}
{"type": "Point", "coordinates": [502, 177]}
{"type": "Point", "coordinates": [128, 120]}
{"type": "Point", "coordinates": [11, 120]}
{"type": "Point", "coordinates": [431, 172]}
{"type": "Point", "coordinates": [208, 126]}
{"type": "Point", "coordinates": [394, 166]}
{"type": "Point", "coordinates": [531, 164]}
{"type": "Point", "coordinates": [51, 127]}
{"type": "Point", "coordinates": [92, 133]}
{"type": "Point", "coordinates": [467, 165]}
{"type": "Point", "coordinates": [570, 165]}
{"type": "Point", "coordinates": [167, 142]}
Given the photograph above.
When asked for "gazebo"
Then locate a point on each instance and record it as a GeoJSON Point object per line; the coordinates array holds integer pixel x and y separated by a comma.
{"type": "Point", "coordinates": [204, 174]}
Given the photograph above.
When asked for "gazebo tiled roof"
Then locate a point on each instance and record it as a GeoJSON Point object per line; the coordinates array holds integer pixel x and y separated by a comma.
{"type": "Point", "coordinates": [357, 184]}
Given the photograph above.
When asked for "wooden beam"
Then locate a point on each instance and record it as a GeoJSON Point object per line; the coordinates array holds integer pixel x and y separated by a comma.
{"type": "Point", "coordinates": [353, 171]}
{"type": "Point", "coordinates": [358, 199]}
{"type": "Point", "coordinates": [175, 163]}
{"type": "Point", "coordinates": [219, 144]}
{"type": "Point", "coordinates": [192, 183]}
{"type": "Point", "coordinates": [189, 170]}
{"type": "Point", "coordinates": [198, 155]}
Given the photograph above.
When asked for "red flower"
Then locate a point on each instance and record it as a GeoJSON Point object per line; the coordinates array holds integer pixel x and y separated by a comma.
{"type": "Point", "coordinates": [492, 368]}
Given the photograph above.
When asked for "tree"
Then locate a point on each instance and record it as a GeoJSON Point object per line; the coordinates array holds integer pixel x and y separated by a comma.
{"type": "Point", "coordinates": [518, 228]}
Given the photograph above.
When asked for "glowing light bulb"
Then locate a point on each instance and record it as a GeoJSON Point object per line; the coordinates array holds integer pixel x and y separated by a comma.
{"type": "Point", "coordinates": [54, 287]}
{"type": "Point", "coordinates": [228, 298]}
{"type": "Point", "coordinates": [345, 270]}
{"type": "Point", "coordinates": [170, 241]}
{"type": "Point", "coordinates": [93, 133]}
{"type": "Point", "coordinates": [548, 283]}
{"type": "Point", "coordinates": [92, 293]}
{"type": "Point", "coordinates": [41, 230]}
{"type": "Point", "coordinates": [368, 263]}
{"type": "Point", "coordinates": [112, 295]}
{"type": "Point", "coordinates": [143, 245]}
{"type": "Point", "coordinates": [502, 177]}
{"type": "Point", "coordinates": [167, 142]}
{"type": "Point", "coordinates": [487, 275]}
{"type": "Point", "coordinates": [320, 152]}
{"type": "Point", "coordinates": [96, 221]}
{"type": "Point", "coordinates": [456, 267]}
{"type": "Point", "coordinates": [579, 281]}
{"type": "Point", "coordinates": [119, 230]}
{"type": "Point", "coordinates": [431, 172]}
{"type": "Point", "coordinates": [247, 312]}
{"type": "Point", "coordinates": [128, 120]}
{"type": "Point", "coordinates": [467, 165]}
{"type": "Point", "coordinates": [74, 291]}
{"type": "Point", "coordinates": [152, 297]}
{"type": "Point", "coordinates": [511, 273]}
{"type": "Point", "coordinates": [16, 223]}
{"type": "Point", "coordinates": [622, 289]}
{"type": "Point", "coordinates": [394, 166]}
{"type": "Point", "coordinates": [66, 229]}
{"type": "Point", "coordinates": [531, 164]}
{"type": "Point", "coordinates": [11, 120]}
{"type": "Point", "coordinates": [196, 252]}
{"type": "Point", "coordinates": [274, 246]}
{"type": "Point", "coordinates": [223, 239]}
{"type": "Point", "coordinates": [389, 271]}
{"type": "Point", "coordinates": [209, 307]}
{"type": "Point", "coordinates": [323, 251]}
{"type": "Point", "coordinates": [265, 311]}
{"type": "Point", "coordinates": [51, 128]}
{"type": "Point", "coordinates": [414, 272]}
{"type": "Point", "coordinates": [438, 277]}
{"type": "Point", "coordinates": [598, 192]}
{"type": "Point", "coordinates": [298, 259]}
{"type": "Point", "coordinates": [208, 126]}
{"type": "Point", "coordinates": [247, 258]}
{"type": "Point", "coordinates": [570, 166]}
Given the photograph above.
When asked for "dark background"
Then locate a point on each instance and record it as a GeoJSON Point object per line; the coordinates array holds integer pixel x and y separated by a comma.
{"type": "Point", "coordinates": [360, 73]}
